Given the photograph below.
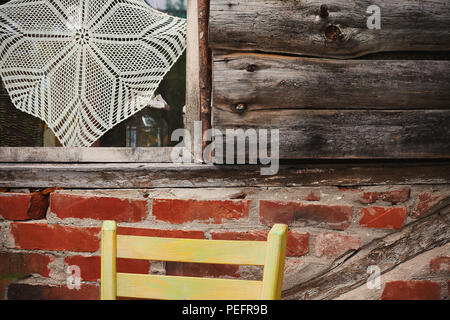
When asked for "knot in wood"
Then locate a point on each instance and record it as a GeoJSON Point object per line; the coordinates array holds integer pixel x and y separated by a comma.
{"type": "Point", "coordinates": [333, 33]}
{"type": "Point", "coordinates": [251, 68]}
{"type": "Point", "coordinates": [323, 11]}
{"type": "Point", "coordinates": [240, 107]}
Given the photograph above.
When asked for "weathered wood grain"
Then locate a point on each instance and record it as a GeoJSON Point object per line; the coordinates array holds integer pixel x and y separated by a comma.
{"type": "Point", "coordinates": [129, 175]}
{"type": "Point", "coordinates": [192, 70]}
{"type": "Point", "coordinates": [205, 69]}
{"type": "Point", "coordinates": [347, 134]}
{"type": "Point", "coordinates": [75, 154]}
{"type": "Point", "coordinates": [263, 81]}
{"type": "Point", "coordinates": [350, 271]}
{"type": "Point", "coordinates": [292, 26]}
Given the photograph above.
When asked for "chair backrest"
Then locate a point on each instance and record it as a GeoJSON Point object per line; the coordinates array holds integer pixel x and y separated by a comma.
{"type": "Point", "coordinates": [270, 254]}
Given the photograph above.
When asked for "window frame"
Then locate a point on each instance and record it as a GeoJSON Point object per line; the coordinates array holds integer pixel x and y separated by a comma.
{"type": "Point", "coordinates": [127, 154]}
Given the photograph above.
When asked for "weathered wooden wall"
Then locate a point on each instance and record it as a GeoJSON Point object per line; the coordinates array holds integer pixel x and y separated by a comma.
{"type": "Point", "coordinates": [341, 31]}
{"type": "Point", "coordinates": [383, 105]}
{"type": "Point", "coordinates": [267, 81]}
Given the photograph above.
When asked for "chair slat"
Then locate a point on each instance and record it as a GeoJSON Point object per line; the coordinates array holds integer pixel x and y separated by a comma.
{"type": "Point", "coordinates": [186, 288]}
{"type": "Point", "coordinates": [192, 250]}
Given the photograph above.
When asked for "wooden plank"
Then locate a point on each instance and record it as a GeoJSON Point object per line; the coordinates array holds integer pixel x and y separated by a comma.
{"type": "Point", "coordinates": [192, 71]}
{"type": "Point", "coordinates": [74, 154]}
{"type": "Point", "coordinates": [135, 175]}
{"type": "Point", "coordinates": [340, 32]}
{"type": "Point", "coordinates": [348, 134]}
{"type": "Point", "coordinates": [185, 288]}
{"type": "Point", "coordinates": [263, 81]}
{"type": "Point", "coordinates": [205, 70]}
{"type": "Point", "coordinates": [192, 250]}
{"type": "Point", "coordinates": [387, 252]}
{"type": "Point", "coordinates": [274, 264]}
{"type": "Point", "coordinates": [108, 276]}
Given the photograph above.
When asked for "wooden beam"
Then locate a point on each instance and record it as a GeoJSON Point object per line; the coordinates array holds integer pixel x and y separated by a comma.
{"type": "Point", "coordinates": [349, 272]}
{"type": "Point", "coordinates": [265, 81]}
{"type": "Point", "coordinates": [140, 175]}
{"type": "Point", "coordinates": [205, 69]}
{"type": "Point", "coordinates": [348, 134]}
{"type": "Point", "coordinates": [192, 71]}
{"type": "Point", "coordinates": [69, 154]}
{"type": "Point", "coordinates": [341, 30]}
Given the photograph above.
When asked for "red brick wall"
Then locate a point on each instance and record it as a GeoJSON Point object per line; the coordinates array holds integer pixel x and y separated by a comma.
{"type": "Point", "coordinates": [43, 233]}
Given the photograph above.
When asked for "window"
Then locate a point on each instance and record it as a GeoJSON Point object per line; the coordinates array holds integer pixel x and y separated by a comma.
{"type": "Point", "coordinates": [148, 130]}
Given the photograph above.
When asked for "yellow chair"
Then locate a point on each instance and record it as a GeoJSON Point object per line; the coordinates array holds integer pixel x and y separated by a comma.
{"type": "Point", "coordinates": [270, 254]}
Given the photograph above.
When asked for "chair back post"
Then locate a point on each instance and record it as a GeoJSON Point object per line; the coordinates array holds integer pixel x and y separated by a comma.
{"type": "Point", "coordinates": [108, 288]}
{"type": "Point", "coordinates": [274, 263]}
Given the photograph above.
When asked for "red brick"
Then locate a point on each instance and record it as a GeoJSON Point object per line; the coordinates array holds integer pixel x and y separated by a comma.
{"type": "Point", "coordinates": [314, 195]}
{"type": "Point", "coordinates": [14, 206]}
{"type": "Point", "coordinates": [393, 196]}
{"type": "Point", "coordinates": [305, 214]}
{"type": "Point", "coordinates": [188, 234]}
{"type": "Point", "coordinates": [99, 208]}
{"type": "Point", "coordinates": [369, 197]}
{"type": "Point", "coordinates": [180, 211]}
{"type": "Point", "coordinates": [333, 244]}
{"type": "Point", "coordinates": [90, 266]}
{"type": "Point", "coordinates": [411, 290]}
{"type": "Point", "coordinates": [22, 291]}
{"type": "Point", "coordinates": [23, 206]}
{"type": "Point", "coordinates": [384, 218]}
{"type": "Point", "coordinates": [253, 235]}
{"type": "Point", "coordinates": [425, 201]}
{"type": "Point", "coordinates": [24, 263]}
{"type": "Point", "coordinates": [396, 196]}
{"type": "Point", "coordinates": [440, 264]}
{"type": "Point", "coordinates": [271, 212]}
{"type": "Point", "coordinates": [42, 236]}
{"type": "Point", "coordinates": [296, 246]}
{"type": "Point", "coordinates": [207, 270]}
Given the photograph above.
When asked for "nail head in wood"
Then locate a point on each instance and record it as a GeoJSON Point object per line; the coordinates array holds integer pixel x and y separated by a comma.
{"type": "Point", "coordinates": [240, 107]}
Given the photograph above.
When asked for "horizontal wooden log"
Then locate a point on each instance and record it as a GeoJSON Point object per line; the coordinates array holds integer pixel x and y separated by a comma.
{"type": "Point", "coordinates": [75, 154]}
{"type": "Point", "coordinates": [264, 81]}
{"type": "Point", "coordinates": [340, 31]}
{"type": "Point", "coordinates": [347, 134]}
{"type": "Point", "coordinates": [350, 271]}
{"type": "Point", "coordinates": [139, 175]}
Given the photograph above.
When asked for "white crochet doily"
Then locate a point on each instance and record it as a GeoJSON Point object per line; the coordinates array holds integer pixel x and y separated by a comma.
{"type": "Point", "coordinates": [83, 66]}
